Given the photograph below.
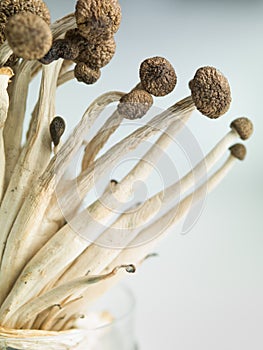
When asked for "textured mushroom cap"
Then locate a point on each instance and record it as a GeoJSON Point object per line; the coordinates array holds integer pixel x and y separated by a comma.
{"type": "Point", "coordinates": [85, 74]}
{"type": "Point", "coordinates": [57, 128]}
{"type": "Point", "coordinates": [210, 92]}
{"type": "Point", "coordinates": [28, 35]}
{"type": "Point", "coordinates": [157, 76]}
{"type": "Point", "coordinates": [95, 55]}
{"type": "Point", "coordinates": [238, 151]}
{"type": "Point", "coordinates": [98, 20]}
{"type": "Point", "coordinates": [243, 126]}
{"type": "Point", "coordinates": [61, 48]}
{"type": "Point", "coordinates": [135, 104]}
{"type": "Point", "coordinates": [98, 55]}
{"type": "Point", "coordinates": [9, 8]}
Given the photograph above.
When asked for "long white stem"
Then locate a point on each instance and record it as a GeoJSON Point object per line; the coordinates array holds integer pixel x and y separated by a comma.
{"type": "Point", "coordinates": [5, 74]}
{"type": "Point", "coordinates": [56, 296]}
{"type": "Point", "coordinates": [108, 245]}
{"type": "Point", "coordinates": [53, 218]}
{"type": "Point", "coordinates": [34, 158]}
{"type": "Point", "coordinates": [31, 214]}
{"type": "Point", "coordinates": [149, 237]}
{"type": "Point", "coordinates": [83, 184]}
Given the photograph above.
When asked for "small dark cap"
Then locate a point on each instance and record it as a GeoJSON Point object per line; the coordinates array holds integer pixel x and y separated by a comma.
{"type": "Point", "coordinates": [61, 48]}
{"type": "Point", "coordinates": [98, 20]}
{"type": "Point", "coordinates": [57, 128]}
{"type": "Point", "coordinates": [243, 126]}
{"type": "Point", "coordinates": [238, 151]}
{"type": "Point", "coordinates": [85, 74]}
{"type": "Point", "coordinates": [135, 104]}
{"type": "Point", "coordinates": [28, 35]}
{"type": "Point", "coordinates": [210, 92]}
{"type": "Point", "coordinates": [157, 76]}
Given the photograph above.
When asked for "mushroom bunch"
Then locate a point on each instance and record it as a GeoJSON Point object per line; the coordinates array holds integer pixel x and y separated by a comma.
{"type": "Point", "coordinates": [58, 254]}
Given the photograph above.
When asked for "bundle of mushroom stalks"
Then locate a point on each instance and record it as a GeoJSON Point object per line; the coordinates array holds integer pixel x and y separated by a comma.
{"type": "Point", "coordinates": [56, 255]}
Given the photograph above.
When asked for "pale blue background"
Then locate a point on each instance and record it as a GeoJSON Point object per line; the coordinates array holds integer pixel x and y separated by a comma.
{"type": "Point", "coordinates": [205, 290]}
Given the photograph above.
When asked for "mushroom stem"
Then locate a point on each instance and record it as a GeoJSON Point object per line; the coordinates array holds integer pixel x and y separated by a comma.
{"type": "Point", "coordinates": [34, 157]}
{"type": "Point", "coordinates": [97, 256]}
{"type": "Point", "coordinates": [152, 235]}
{"type": "Point", "coordinates": [5, 74]}
{"type": "Point", "coordinates": [29, 218]}
{"type": "Point", "coordinates": [65, 77]}
{"type": "Point", "coordinates": [53, 219]}
{"type": "Point", "coordinates": [15, 119]}
{"type": "Point", "coordinates": [56, 296]}
{"type": "Point", "coordinates": [180, 112]}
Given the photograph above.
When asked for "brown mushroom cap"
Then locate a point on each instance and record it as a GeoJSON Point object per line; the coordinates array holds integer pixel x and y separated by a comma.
{"type": "Point", "coordinates": [85, 74]}
{"type": "Point", "coordinates": [57, 128]}
{"type": "Point", "coordinates": [61, 48]}
{"type": "Point", "coordinates": [238, 151]}
{"type": "Point", "coordinates": [98, 20]}
{"type": "Point", "coordinates": [157, 76]}
{"type": "Point", "coordinates": [98, 55]}
{"type": "Point", "coordinates": [243, 126]}
{"type": "Point", "coordinates": [8, 8]}
{"type": "Point", "coordinates": [210, 92]}
{"type": "Point", "coordinates": [28, 35]}
{"type": "Point", "coordinates": [135, 104]}
{"type": "Point", "coordinates": [95, 55]}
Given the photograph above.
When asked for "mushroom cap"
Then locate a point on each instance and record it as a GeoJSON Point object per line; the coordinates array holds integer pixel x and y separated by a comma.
{"type": "Point", "coordinates": [28, 35]}
{"type": "Point", "coordinates": [85, 74]}
{"type": "Point", "coordinates": [238, 151]}
{"type": "Point", "coordinates": [210, 92]}
{"type": "Point", "coordinates": [243, 126]}
{"type": "Point", "coordinates": [135, 104]}
{"type": "Point", "coordinates": [98, 55]}
{"type": "Point", "coordinates": [61, 48]}
{"type": "Point", "coordinates": [157, 76]}
{"type": "Point", "coordinates": [57, 128]}
{"type": "Point", "coordinates": [8, 8]}
{"type": "Point", "coordinates": [95, 55]}
{"type": "Point", "coordinates": [98, 20]}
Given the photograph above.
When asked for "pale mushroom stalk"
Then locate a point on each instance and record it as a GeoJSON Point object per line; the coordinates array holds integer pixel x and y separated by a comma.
{"type": "Point", "coordinates": [56, 296]}
{"type": "Point", "coordinates": [52, 221]}
{"type": "Point", "coordinates": [5, 75]}
{"type": "Point", "coordinates": [180, 112]}
{"type": "Point", "coordinates": [97, 256]}
{"type": "Point", "coordinates": [32, 211]}
{"type": "Point", "coordinates": [152, 235]}
{"type": "Point", "coordinates": [34, 157]}
{"type": "Point", "coordinates": [15, 119]}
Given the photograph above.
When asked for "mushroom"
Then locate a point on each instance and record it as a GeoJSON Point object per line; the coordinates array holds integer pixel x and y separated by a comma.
{"type": "Point", "coordinates": [85, 74]}
{"type": "Point", "coordinates": [61, 48]}
{"type": "Point", "coordinates": [135, 104]}
{"type": "Point", "coordinates": [98, 20]}
{"type": "Point", "coordinates": [243, 127]}
{"type": "Point", "coordinates": [28, 35]}
{"type": "Point", "coordinates": [210, 92]}
{"type": "Point", "coordinates": [9, 8]}
{"type": "Point", "coordinates": [157, 76]}
{"type": "Point", "coordinates": [57, 129]}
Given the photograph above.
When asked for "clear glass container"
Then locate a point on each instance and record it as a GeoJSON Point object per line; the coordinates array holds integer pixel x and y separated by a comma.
{"type": "Point", "coordinates": [109, 327]}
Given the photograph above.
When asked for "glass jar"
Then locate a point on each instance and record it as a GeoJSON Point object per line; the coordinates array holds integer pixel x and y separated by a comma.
{"type": "Point", "coordinates": [113, 315]}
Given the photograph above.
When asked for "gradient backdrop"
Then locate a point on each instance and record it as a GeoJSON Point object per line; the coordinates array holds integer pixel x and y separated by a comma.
{"type": "Point", "coordinates": [205, 289]}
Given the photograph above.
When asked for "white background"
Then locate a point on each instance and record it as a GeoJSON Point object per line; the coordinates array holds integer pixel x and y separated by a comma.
{"type": "Point", "coordinates": [205, 289]}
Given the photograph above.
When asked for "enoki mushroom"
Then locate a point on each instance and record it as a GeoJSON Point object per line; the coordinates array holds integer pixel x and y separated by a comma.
{"type": "Point", "coordinates": [49, 237]}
